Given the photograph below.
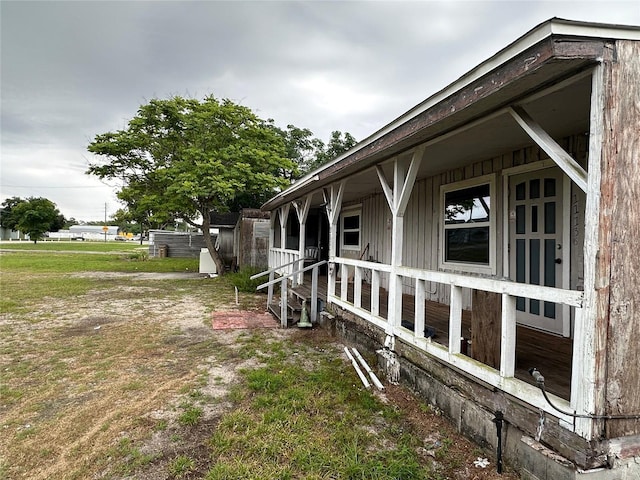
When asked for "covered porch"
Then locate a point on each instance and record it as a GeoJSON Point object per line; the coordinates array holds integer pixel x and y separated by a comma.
{"type": "Point", "coordinates": [474, 234]}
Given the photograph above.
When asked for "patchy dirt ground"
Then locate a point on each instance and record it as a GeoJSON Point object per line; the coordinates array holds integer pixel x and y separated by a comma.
{"type": "Point", "coordinates": [91, 378]}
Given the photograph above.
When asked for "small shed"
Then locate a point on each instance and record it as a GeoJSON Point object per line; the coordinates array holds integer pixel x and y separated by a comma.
{"type": "Point", "coordinates": [178, 244]}
{"type": "Point", "coordinates": [251, 238]}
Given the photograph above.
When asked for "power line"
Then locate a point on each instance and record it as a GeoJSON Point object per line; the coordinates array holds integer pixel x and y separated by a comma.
{"type": "Point", "coordinates": [42, 186]}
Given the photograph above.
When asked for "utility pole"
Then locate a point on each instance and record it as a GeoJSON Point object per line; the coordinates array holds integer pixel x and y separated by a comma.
{"type": "Point", "coordinates": [105, 229]}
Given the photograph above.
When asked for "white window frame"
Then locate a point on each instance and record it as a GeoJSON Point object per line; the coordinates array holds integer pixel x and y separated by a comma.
{"type": "Point", "coordinates": [489, 269]}
{"type": "Point", "coordinates": [351, 212]}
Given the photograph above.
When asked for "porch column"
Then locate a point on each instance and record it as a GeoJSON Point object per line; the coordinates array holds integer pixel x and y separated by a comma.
{"type": "Point", "coordinates": [272, 233]}
{"type": "Point", "coordinates": [284, 215]}
{"type": "Point", "coordinates": [302, 211]}
{"type": "Point", "coordinates": [333, 200]}
{"type": "Point", "coordinates": [404, 177]}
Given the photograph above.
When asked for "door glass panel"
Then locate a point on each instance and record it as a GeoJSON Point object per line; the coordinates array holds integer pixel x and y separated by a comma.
{"type": "Point", "coordinates": [534, 188]}
{"type": "Point", "coordinates": [550, 263]}
{"type": "Point", "coordinates": [520, 270]}
{"type": "Point", "coordinates": [534, 272]}
{"type": "Point", "coordinates": [534, 218]}
{"type": "Point", "coordinates": [550, 274]}
{"type": "Point", "coordinates": [550, 217]}
{"type": "Point", "coordinates": [520, 219]}
{"type": "Point", "coordinates": [520, 191]}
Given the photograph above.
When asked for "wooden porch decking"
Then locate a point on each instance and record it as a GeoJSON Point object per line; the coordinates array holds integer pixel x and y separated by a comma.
{"type": "Point", "coordinates": [550, 354]}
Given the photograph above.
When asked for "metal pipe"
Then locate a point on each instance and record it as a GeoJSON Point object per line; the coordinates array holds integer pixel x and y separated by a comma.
{"type": "Point", "coordinates": [499, 418]}
{"type": "Point", "coordinates": [365, 365]}
{"type": "Point", "coordinates": [364, 380]}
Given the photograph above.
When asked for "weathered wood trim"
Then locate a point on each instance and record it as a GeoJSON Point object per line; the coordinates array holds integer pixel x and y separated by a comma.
{"type": "Point", "coordinates": [486, 330]}
{"type": "Point", "coordinates": [568, 165]}
{"type": "Point", "coordinates": [620, 194]}
{"type": "Point", "coordinates": [587, 377]}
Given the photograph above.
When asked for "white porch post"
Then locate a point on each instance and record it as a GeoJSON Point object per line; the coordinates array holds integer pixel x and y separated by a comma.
{"type": "Point", "coordinates": [302, 211]}
{"type": "Point", "coordinates": [404, 177]}
{"type": "Point", "coordinates": [333, 200]}
{"type": "Point", "coordinates": [584, 374]}
{"type": "Point", "coordinates": [284, 215]}
{"type": "Point", "coordinates": [272, 239]}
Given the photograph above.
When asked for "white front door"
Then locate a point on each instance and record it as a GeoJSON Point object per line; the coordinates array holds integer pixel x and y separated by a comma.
{"type": "Point", "coordinates": [535, 243]}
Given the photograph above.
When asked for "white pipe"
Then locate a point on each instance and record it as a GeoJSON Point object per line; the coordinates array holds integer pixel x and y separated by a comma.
{"type": "Point", "coordinates": [365, 382]}
{"type": "Point", "coordinates": [364, 363]}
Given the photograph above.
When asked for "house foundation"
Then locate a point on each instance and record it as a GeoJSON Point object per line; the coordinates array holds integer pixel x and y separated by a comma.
{"type": "Point", "coordinates": [473, 414]}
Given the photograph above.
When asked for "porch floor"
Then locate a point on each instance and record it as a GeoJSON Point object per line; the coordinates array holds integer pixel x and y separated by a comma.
{"type": "Point", "coordinates": [550, 354]}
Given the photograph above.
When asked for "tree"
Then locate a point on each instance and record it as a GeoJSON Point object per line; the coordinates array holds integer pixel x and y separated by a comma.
{"type": "Point", "coordinates": [36, 216]}
{"type": "Point", "coordinates": [339, 143]}
{"type": "Point", "coordinates": [8, 218]}
{"type": "Point", "coordinates": [183, 158]}
{"type": "Point", "coordinates": [310, 153]}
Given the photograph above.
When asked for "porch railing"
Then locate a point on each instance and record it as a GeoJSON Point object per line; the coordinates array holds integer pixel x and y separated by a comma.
{"type": "Point", "coordinates": [502, 378]}
{"type": "Point", "coordinates": [294, 270]}
{"type": "Point", "coordinates": [284, 258]}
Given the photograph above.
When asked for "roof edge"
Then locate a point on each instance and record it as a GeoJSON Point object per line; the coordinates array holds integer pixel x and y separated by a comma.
{"type": "Point", "coordinates": [554, 26]}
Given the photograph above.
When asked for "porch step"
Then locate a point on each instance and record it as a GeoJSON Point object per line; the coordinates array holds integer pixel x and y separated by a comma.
{"type": "Point", "coordinates": [294, 312]}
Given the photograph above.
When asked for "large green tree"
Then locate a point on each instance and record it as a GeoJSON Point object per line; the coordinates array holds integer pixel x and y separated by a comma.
{"type": "Point", "coordinates": [33, 216]}
{"type": "Point", "coordinates": [309, 152]}
{"type": "Point", "coordinates": [183, 158]}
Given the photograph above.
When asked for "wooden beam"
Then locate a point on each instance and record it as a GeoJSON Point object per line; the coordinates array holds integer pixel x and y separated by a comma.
{"type": "Point", "coordinates": [550, 146]}
{"type": "Point", "coordinates": [587, 374]}
{"type": "Point", "coordinates": [388, 193]}
{"type": "Point", "coordinates": [333, 198]}
{"type": "Point", "coordinates": [409, 180]}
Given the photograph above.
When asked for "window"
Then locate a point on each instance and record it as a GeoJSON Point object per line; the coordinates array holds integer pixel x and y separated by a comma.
{"type": "Point", "coordinates": [350, 228]}
{"type": "Point", "coordinates": [468, 237]}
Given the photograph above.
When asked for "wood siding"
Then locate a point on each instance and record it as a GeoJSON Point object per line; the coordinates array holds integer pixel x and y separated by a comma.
{"type": "Point", "coordinates": [619, 272]}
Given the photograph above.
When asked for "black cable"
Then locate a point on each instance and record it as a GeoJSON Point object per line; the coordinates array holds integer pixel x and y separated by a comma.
{"type": "Point", "coordinates": [540, 384]}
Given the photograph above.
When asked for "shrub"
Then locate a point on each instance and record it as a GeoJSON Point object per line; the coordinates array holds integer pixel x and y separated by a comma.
{"type": "Point", "coordinates": [242, 281]}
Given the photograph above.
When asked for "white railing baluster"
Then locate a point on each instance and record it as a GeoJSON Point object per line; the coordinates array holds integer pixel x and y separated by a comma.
{"type": "Point", "coordinates": [344, 282]}
{"type": "Point", "coordinates": [272, 275]}
{"type": "Point", "coordinates": [357, 288]}
{"type": "Point", "coordinates": [508, 336]}
{"type": "Point", "coordinates": [375, 292]}
{"type": "Point", "coordinates": [314, 294]}
{"type": "Point", "coordinates": [419, 308]}
{"type": "Point", "coordinates": [283, 302]}
{"type": "Point", "coordinates": [455, 319]}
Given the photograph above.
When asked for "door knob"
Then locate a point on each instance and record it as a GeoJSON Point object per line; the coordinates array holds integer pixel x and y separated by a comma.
{"type": "Point", "coordinates": [558, 261]}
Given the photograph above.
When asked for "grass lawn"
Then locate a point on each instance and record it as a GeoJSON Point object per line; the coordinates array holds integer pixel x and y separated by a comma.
{"type": "Point", "coordinates": [109, 372]}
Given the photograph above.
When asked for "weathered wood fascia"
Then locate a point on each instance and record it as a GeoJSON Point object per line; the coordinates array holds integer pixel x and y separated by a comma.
{"type": "Point", "coordinates": [529, 62]}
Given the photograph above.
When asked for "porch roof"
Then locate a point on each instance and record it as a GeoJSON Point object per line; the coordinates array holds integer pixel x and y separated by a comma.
{"type": "Point", "coordinates": [467, 120]}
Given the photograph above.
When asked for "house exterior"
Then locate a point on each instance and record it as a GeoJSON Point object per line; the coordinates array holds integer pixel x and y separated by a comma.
{"type": "Point", "coordinates": [505, 208]}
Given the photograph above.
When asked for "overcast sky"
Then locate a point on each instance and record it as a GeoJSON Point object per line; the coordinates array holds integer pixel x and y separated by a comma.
{"type": "Point", "coordinates": [72, 70]}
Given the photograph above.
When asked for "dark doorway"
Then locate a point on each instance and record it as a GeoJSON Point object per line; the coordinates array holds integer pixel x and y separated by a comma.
{"type": "Point", "coordinates": [317, 232]}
